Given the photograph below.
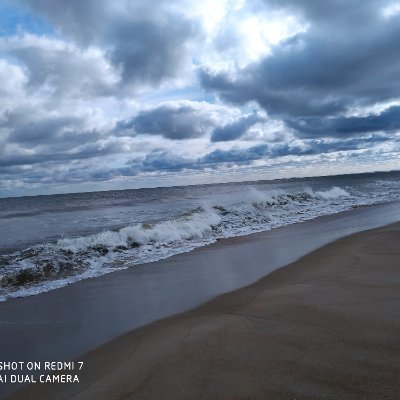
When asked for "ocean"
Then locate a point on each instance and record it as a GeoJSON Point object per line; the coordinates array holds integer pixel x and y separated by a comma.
{"type": "Point", "coordinates": [47, 242]}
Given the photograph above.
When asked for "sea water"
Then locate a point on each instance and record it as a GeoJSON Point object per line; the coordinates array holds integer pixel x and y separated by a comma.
{"type": "Point", "coordinates": [47, 242]}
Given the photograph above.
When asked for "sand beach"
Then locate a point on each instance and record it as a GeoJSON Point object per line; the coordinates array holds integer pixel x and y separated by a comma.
{"type": "Point", "coordinates": [325, 326]}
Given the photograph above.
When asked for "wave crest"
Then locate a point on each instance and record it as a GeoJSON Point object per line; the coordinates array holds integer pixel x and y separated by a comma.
{"type": "Point", "coordinates": [184, 228]}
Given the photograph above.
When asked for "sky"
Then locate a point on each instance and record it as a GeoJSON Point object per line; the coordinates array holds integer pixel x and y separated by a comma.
{"type": "Point", "coordinates": [100, 95]}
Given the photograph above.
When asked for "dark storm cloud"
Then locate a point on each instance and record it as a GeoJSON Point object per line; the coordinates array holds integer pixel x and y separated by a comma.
{"type": "Point", "coordinates": [348, 57]}
{"type": "Point", "coordinates": [176, 122]}
{"type": "Point", "coordinates": [236, 129]}
{"type": "Point", "coordinates": [387, 121]}
{"type": "Point", "coordinates": [146, 42]}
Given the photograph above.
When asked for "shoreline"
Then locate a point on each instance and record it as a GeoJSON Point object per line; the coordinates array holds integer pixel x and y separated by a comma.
{"type": "Point", "coordinates": [324, 326]}
{"type": "Point", "coordinates": [11, 297]}
{"type": "Point", "coordinates": [68, 322]}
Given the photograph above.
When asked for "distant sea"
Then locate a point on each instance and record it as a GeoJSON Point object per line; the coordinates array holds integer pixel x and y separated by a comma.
{"type": "Point", "coordinates": [47, 242]}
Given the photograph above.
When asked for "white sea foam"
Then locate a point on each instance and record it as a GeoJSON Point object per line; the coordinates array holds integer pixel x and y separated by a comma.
{"type": "Point", "coordinates": [194, 226]}
{"type": "Point", "coordinates": [333, 193]}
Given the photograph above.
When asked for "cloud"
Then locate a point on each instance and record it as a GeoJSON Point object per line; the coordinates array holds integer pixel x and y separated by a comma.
{"type": "Point", "coordinates": [29, 131]}
{"type": "Point", "coordinates": [167, 161]}
{"type": "Point", "coordinates": [159, 52]}
{"type": "Point", "coordinates": [82, 153]}
{"type": "Point", "coordinates": [43, 170]}
{"type": "Point", "coordinates": [323, 72]}
{"type": "Point", "coordinates": [176, 121]}
{"type": "Point", "coordinates": [171, 87]}
{"type": "Point", "coordinates": [31, 138]}
{"type": "Point", "coordinates": [388, 121]}
{"type": "Point", "coordinates": [236, 129]}
{"type": "Point", "coordinates": [13, 79]}
{"type": "Point", "coordinates": [61, 67]}
{"type": "Point", "coordinates": [162, 160]}
{"type": "Point", "coordinates": [146, 42]}
{"type": "Point", "coordinates": [236, 155]}
{"type": "Point", "coordinates": [330, 12]}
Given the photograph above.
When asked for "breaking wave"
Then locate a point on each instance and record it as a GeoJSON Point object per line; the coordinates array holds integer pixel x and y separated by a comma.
{"type": "Point", "coordinates": [51, 265]}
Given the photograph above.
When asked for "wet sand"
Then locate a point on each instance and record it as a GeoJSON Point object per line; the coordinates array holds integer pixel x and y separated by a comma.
{"type": "Point", "coordinates": [324, 327]}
